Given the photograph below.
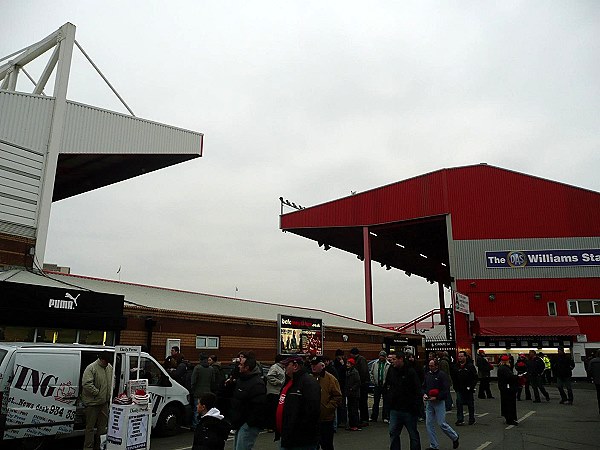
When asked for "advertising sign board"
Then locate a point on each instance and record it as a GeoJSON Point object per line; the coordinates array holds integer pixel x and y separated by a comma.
{"type": "Point", "coordinates": [461, 303]}
{"type": "Point", "coordinates": [542, 258]}
{"type": "Point", "coordinates": [33, 305]}
{"type": "Point", "coordinates": [300, 335]}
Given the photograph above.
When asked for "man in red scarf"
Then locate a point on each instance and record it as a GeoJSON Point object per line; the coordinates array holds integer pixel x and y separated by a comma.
{"type": "Point", "coordinates": [299, 407]}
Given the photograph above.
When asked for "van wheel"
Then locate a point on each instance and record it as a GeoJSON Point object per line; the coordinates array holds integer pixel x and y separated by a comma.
{"type": "Point", "coordinates": [169, 421]}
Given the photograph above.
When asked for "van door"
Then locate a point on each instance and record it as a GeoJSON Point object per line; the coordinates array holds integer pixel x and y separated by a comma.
{"type": "Point", "coordinates": [157, 388]}
{"type": "Point", "coordinates": [42, 393]}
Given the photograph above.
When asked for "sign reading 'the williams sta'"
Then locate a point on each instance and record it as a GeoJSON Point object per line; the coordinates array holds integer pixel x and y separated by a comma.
{"type": "Point", "coordinates": [542, 258]}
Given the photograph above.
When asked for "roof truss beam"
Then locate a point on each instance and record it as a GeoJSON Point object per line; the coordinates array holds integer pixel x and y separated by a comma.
{"type": "Point", "coordinates": [30, 53]}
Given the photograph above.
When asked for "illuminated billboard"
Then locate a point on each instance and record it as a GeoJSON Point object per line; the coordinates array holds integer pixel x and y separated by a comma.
{"type": "Point", "coordinates": [300, 335]}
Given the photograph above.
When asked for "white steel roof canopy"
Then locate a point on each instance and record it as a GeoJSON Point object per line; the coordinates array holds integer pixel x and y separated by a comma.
{"type": "Point", "coordinates": [184, 301]}
{"type": "Point", "coordinates": [82, 147]}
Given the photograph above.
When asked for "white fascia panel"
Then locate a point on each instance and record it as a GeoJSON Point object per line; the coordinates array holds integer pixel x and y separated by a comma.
{"type": "Point", "coordinates": [25, 120]}
{"type": "Point", "coordinates": [99, 131]}
{"type": "Point", "coordinates": [20, 182]}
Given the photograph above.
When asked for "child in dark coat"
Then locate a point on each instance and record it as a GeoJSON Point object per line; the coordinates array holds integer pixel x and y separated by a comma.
{"type": "Point", "coordinates": [212, 429]}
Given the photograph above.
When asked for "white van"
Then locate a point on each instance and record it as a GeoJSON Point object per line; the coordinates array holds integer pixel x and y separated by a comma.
{"type": "Point", "coordinates": [40, 384]}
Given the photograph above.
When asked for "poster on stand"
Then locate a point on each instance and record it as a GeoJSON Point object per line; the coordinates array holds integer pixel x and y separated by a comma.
{"type": "Point", "coordinates": [300, 335]}
{"type": "Point", "coordinates": [137, 432]}
{"type": "Point", "coordinates": [114, 434]}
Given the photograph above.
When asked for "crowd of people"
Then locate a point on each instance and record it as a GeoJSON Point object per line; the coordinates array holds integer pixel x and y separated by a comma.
{"type": "Point", "coordinates": [304, 400]}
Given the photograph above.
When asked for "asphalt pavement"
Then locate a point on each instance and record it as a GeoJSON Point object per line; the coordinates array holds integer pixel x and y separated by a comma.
{"type": "Point", "coordinates": [542, 426]}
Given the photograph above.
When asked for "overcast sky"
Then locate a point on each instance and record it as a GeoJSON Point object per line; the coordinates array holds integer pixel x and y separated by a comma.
{"type": "Point", "coordinates": [311, 100]}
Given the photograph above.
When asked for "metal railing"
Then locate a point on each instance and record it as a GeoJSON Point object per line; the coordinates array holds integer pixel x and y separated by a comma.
{"type": "Point", "coordinates": [430, 315]}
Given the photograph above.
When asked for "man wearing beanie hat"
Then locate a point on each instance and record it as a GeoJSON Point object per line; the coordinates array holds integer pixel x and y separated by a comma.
{"type": "Point", "coordinates": [508, 384]}
{"type": "Point", "coordinates": [353, 388]}
{"type": "Point", "coordinates": [379, 370]}
{"type": "Point", "coordinates": [298, 409]}
{"type": "Point", "coordinates": [362, 367]}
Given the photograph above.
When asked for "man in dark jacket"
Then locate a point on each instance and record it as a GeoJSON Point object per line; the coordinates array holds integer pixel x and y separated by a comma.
{"type": "Point", "coordinates": [297, 416]}
{"type": "Point", "coordinates": [483, 371]}
{"type": "Point", "coordinates": [411, 361]}
{"type": "Point", "coordinates": [340, 365]}
{"type": "Point", "coordinates": [464, 376]}
{"type": "Point", "coordinates": [445, 364]}
{"type": "Point", "coordinates": [248, 404]}
{"type": "Point", "coordinates": [218, 374]}
{"type": "Point", "coordinates": [436, 390]}
{"type": "Point", "coordinates": [353, 395]}
{"type": "Point", "coordinates": [594, 370]}
{"type": "Point", "coordinates": [362, 366]}
{"type": "Point", "coordinates": [536, 370]}
{"type": "Point", "coordinates": [563, 369]}
{"type": "Point", "coordinates": [403, 391]}
{"type": "Point", "coordinates": [507, 384]}
{"type": "Point", "coordinates": [521, 367]}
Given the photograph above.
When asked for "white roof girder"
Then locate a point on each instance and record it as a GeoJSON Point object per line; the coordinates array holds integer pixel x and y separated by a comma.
{"type": "Point", "coordinates": [30, 53]}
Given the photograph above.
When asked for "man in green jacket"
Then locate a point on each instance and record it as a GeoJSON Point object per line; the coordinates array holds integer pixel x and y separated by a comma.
{"type": "Point", "coordinates": [96, 391]}
{"type": "Point", "coordinates": [202, 377]}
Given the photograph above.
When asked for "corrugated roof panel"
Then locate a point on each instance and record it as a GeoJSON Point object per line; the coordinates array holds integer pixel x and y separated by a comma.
{"type": "Point", "coordinates": [423, 196]}
{"type": "Point", "coordinates": [25, 119]}
{"type": "Point", "coordinates": [485, 202]}
{"type": "Point", "coordinates": [98, 131]}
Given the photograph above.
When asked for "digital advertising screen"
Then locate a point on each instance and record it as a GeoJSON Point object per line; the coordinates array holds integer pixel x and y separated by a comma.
{"type": "Point", "coordinates": [300, 335]}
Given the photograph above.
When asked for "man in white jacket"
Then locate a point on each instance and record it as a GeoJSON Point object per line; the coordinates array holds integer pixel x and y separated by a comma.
{"type": "Point", "coordinates": [379, 370]}
{"type": "Point", "coordinates": [275, 380]}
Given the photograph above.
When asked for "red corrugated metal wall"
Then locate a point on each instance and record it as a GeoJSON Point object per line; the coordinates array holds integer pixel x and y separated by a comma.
{"type": "Point", "coordinates": [491, 203]}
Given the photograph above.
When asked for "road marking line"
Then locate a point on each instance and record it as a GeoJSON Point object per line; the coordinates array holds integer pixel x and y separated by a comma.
{"type": "Point", "coordinates": [183, 448]}
{"type": "Point", "coordinates": [484, 445]}
{"type": "Point", "coordinates": [530, 413]}
{"type": "Point", "coordinates": [482, 414]}
{"type": "Point", "coordinates": [521, 419]}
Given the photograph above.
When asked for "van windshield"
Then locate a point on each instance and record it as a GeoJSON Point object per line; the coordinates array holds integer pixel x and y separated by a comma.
{"type": "Point", "coordinates": [148, 370]}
